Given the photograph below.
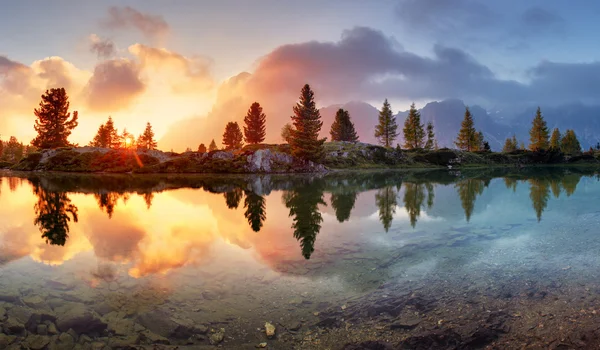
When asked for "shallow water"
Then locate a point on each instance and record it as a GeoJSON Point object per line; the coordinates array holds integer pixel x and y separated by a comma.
{"type": "Point", "coordinates": [430, 259]}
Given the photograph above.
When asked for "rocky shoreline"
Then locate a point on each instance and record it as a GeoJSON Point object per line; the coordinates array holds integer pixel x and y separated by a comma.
{"type": "Point", "coordinates": [274, 159]}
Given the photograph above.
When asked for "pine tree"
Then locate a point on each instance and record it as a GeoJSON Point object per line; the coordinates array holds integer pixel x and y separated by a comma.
{"type": "Point", "coordinates": [54, 122]}
{"type": "Point", "coordinates": [305, 142]}
{"type": "Point", "coordinates": [201, 148]}
{"type": "Point", "coordinates": [342, 128]}
{"type": "Point", "coordinates": [431, 142]}
{"type": "Point", "coordinates": [255, 120]}
{"type": "Point", "coordinates": [114, 139]}
{"type": "Point", "coordinates": [570, 143]}
{"type": "Point", "coordinates": [467, 136]}
{"type": "Point", "coordinates": [232, 137]}
{"type": "Point", "coordinates": [555, 140]}
{"type": "Point", "coordinates": [146, 140]}
{"type": "Point", "coordinates": [1, 148]}
{"type": "Point", "coordinates": [538, 135]}
{"type": "Point", "coordinates": [213, 146]}
{"type": "Point", "coordinates": [414, 134]}
{"type": "Point", "coordinates": [386, 129]}
{"type": "Point", "coordinates": [256, 210]}
{"type": "Point", "coordinates": [102, 138]}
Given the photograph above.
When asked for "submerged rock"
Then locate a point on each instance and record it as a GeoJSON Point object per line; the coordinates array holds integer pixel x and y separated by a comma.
{"type": "Point", "coordinates": [269, 330]}
{"type": "Point", "coordinates": [36, 342]}
{"type": "Point", "coordinates": [78, 318]}
{"type": "Point", "coordinates": [217, 337]}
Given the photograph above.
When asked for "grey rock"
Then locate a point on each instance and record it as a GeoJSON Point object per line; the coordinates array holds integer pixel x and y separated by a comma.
{"type": "Point", "coordinates": [78, 318]}
{"type": "Point", "coordinates": [222, 155]}
{"type": "Point", "coordinates": [147, 337]}
{"type": "Point", "coordinates": [405, 323]}
{"type": "Point", "coordinates": [36, 342]}
{"type": "Point", "coordinates": [5, 340]}
{"type": "Point", "coordinates": [13, 326]}
{"type": "Point", "coordinates": [52, 329]}
{"type": "Point", "coordinates": [42, 329]}
{"type": "Point", "coordinates": [158, 322]}
{"type": "Point", "coordinates": [10, 295]}
{"type": "Point", "coordinates": [295, 326]}
{"type": "Point", "coordinates": [20, 313]}
{"type": "Point", "coordinates": [34, 301]}
{"type": "Point", "coordinates": [84, 339]}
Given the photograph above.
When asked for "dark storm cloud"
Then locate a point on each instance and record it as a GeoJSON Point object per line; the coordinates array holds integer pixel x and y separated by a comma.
{"type": "Point", "coordinates": [114, 85]}
{"type": "Point", "coordinates": [153, 27]}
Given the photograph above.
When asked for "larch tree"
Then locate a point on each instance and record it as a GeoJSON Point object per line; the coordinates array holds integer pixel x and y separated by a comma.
{"type": "Point", "coordinates": [510, 144]}
{"type": "Point", "coordinates": [255, 128]}
{"type": "Point", "coordinates": [342, 128]}
{"type": "Point", "coordinates": [386, 130]}
{"type": "Point", "coordinates": [555, 140]}
{"type": "Point", "coordinates": [305, 142]}
{"type": "Point", "coordinates": [286, 132]}
{"type": "Point", "coordinates": [569, 143]}
{"type": "Point", "coordinates": [232, 137]}
{"type": "Point", "coordinates": [414, 135]}
{"type": "Point", "coordinates": [467, 136]}
{"type": "Point", "coordinates": [54, 122]}
{"type": "Point", "coordinates": [431, 142]}
{"type": "Point", "coordinates": [538, 135]}
{"type": "Point", "coordinates": [213, 146]}
{"type": "Point", "coordinates": [201, 148]}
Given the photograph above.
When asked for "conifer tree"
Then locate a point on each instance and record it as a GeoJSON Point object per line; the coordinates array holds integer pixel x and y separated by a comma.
{"type": "Point", "coordinates": [480, 142]}
{"type": "Point", "coordinates": [54, 122]}
{"type": "Point", "coordinates": [213, 146]}
{"type": "Point", "coordinates": [304, 141]}
{"type": "Point", "coordinates": [114, 139]}
{"type": "Point", "coordinates": [555, 140]}
{"type": "Point", "coordinates": [232, 137]}
{"type": "Point", "coordinates": [386, 129]}
{"type": "Point", "coordinates": [414, 134]}
{"type": "Point", "coordinates": [127, 139]}
{"type": "Point", "coordinates": [510, 144]}
{"type": "Point", "coordinates": [286, 132]}
{"type": "Point", "coordinates": [256, 210]}
{"type": "Point", "coordinates": [342, 128]}
{"type": "Point", "coordinates": [13, 150]}
{"type": "Point", "coordinates": [255, 120]}
{"type": "Point", "coordinates": [146, 140]}
{"type": "Point", "coordinates": [570, 143]}
{"type": "Point", "coordinates": [201, 148]}
{"type": "Point", "coordinates": [1, 148]}
{"type": "Point", "coordinates": [467, 136]}
{"type": "Point", "coordinates": [431, 142]}
{"type": "Point", "coordinates": [102, 138]}
{"type": "Point", "coordinates": [538, 135]}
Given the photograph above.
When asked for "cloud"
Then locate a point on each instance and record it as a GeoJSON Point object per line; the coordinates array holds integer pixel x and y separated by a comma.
{"type": "Point", "coordinates": [152, 27]}
{"type": "Point", "coordinates": [114, 85]}
{"type": "Point", "coordinates": [183, 74]}
{"type": "Point", "coordinates": [539, 20]}
{"type": "Point", "coordinates": [55, 71]}
{"type": "Point", "coordinates": [14, 77]}
{"type": "Point", "coordinates": [103, 48]}
{"type": "Point", "coordinates": [445, 17]}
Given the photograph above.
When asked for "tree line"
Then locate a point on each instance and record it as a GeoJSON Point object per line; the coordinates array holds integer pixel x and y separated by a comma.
{"type": "Point", "coordinates": [55, 123]}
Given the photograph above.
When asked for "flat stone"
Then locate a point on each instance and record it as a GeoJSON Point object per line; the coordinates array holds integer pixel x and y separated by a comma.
{"type": "Point", "coordinates": [295, 326]}
{"type": "Point", "coordinates": [42, 329]}
{"type": "Point", "coordinates": [78, 318]}
{"type": "Point", "coordinates": [13, 326]}
{"type": "Point", "coordinates": [406, 323]}
{"type": "Point", "coordinates": [149, 337]}
{"type": "Point", "coordinates": [9, 295]}
{"type": "Point", "coordinates": [36, 342]}
{"type": "Point", "coordinates": [118, 324]}
{"type": "Point", "coordinates": [158, 322]}
{"type": "Point", "coordinates": [20, 313]}
{"type": "Point", "coordinates": [34, 301]}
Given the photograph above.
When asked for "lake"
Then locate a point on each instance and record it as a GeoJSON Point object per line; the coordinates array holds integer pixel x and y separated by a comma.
{"type": "Point", "coordinates": [506, 258]}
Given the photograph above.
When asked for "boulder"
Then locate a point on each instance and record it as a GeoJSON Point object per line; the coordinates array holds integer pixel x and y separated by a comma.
{"type": "Point", "coordinates": [159, 322]}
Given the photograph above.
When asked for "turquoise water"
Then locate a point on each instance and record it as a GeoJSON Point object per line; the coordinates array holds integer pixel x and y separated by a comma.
{"type": "Point", "coordinates": [466, 259]}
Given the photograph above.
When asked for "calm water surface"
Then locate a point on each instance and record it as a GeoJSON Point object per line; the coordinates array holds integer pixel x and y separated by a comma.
{"type": "Point", "coordinates": [417, 259]}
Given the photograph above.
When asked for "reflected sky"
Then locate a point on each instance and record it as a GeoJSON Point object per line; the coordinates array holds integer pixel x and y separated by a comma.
{"type": "Point", "coordinates": [158, 225]}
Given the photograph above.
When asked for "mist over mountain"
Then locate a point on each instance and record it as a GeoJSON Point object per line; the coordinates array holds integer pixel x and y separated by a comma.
{"type": "Point", "coordinates": [496, 125]}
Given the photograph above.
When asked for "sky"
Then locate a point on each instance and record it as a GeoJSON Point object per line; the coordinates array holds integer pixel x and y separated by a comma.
{"type": "Point", "coordinates": [177, 64]}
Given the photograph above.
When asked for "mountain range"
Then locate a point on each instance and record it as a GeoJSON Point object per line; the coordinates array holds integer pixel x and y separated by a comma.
{"type": "Point", "coordinates": [496, 126]}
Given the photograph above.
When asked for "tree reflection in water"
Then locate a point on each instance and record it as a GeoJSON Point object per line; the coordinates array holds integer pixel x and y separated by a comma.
{"type": "Point", "coordinates": [53, 212]}
{"type": "Point", "coordinates": [256, 210]}
{"type": "Point", "coordinates": [303, 202]}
